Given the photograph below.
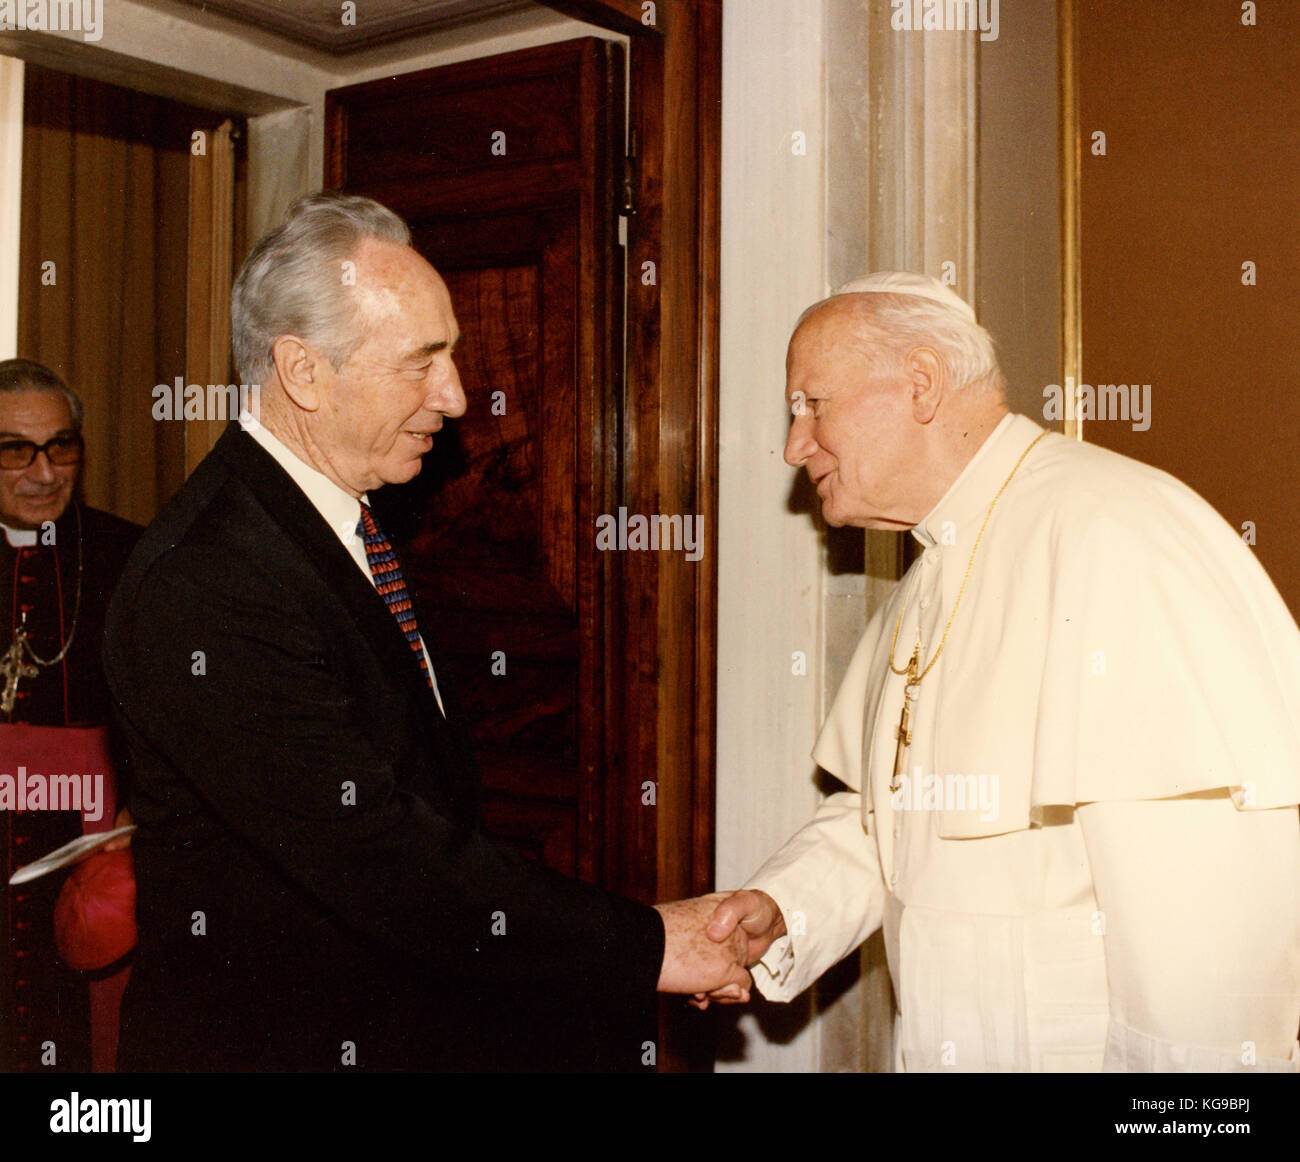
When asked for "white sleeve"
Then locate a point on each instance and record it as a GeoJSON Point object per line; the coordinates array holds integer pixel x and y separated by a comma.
{"type": "Point", "coordinates": [1200, 904]}
{"type": "Point", "coordinates": [828, 884]}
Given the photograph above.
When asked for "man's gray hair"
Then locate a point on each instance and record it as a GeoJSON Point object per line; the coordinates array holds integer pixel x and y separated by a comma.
{"type": "Point", "coordinates": [28, 375]}
{"type": "Point", "coordinates": [295, 281]}
{"type": "Point", "coordinates": [906, 311]}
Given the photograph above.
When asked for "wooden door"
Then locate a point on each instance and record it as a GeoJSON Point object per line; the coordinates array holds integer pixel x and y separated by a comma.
{"type": "Point", "coordinates": [507, 169]}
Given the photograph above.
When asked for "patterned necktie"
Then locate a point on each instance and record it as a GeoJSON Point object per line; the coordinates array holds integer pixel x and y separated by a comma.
{"type": "Point", "coordinates": [391, 585]}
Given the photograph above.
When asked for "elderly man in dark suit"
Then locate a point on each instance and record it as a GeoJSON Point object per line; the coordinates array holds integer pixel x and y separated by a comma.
{"type": "Point", "coordinates": [314, 891]}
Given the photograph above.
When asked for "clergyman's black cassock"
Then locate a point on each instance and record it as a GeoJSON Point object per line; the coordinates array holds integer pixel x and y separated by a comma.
{"type": "Point", "coordinates": [45, 1002]}
{"type": "Point", "coordinates": [313, 888]}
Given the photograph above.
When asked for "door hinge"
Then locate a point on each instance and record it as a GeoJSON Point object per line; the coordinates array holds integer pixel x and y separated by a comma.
{"type": "Point", "coordinates": [627, 197]}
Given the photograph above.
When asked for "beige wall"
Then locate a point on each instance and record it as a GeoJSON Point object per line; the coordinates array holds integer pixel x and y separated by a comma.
{"type": "Point", "coordinates": [771, 565]}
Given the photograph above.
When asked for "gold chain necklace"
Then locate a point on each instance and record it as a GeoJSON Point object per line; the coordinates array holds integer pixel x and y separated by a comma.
{"type": "Point", "coordinates": [12, 667]}
{"type": "Point", "coordinates": [913, 670]}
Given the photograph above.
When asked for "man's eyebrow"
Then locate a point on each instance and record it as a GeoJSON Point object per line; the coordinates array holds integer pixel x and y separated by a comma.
{"type": "Point", "coordinates": [433, 348]}
{"type": "Point", "coordinates": [29, 440]}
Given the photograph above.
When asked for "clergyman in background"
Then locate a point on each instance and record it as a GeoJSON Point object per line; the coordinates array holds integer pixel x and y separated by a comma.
{"type": "Point", "coordinates": [59, 562]}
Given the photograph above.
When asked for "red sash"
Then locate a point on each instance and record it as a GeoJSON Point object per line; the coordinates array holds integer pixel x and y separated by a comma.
{"type": "Point", "coordinates": [68, 750]}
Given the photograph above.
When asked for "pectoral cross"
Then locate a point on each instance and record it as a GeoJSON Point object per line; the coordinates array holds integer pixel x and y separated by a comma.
{"type": "Point", "coordinates": [904, 731]}
{"type": "Point", "coordinates": [13, 668]}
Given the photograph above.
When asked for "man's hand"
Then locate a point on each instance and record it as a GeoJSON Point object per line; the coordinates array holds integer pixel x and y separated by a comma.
{"type": "Point", "coordinates": [123, 820]}
{"type": "Point", "coordinates": [699, 963]}
{"type": "Point", "coordinates": [755, 914]}
{"type": "Point", "coordinates": [752, 915]}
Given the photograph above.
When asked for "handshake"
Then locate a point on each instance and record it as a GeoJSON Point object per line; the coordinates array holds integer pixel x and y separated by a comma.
{"type": "Point", "coordinates": [710, 942]}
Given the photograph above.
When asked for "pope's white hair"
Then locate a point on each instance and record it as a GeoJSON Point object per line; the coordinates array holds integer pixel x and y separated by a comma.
{"type": "Point", "coordinates": [902, 310]}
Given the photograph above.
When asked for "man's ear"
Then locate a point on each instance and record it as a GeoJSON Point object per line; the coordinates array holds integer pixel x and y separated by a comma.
{"type": "Point", "coordinates": [301, 371]}
{"type": "Point", "coordinates": [927, 377]}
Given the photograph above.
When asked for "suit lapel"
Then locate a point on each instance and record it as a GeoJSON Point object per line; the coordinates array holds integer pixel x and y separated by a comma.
{"type": "Point", "coordinates": [301, 523]}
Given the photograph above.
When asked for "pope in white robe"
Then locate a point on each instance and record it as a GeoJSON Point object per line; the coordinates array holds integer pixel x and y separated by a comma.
{"type": "Point", "coordinates": [1086, 853]}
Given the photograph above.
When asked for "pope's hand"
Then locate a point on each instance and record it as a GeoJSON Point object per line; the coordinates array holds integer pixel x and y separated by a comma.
{"type": "Point", "coordinates": [756, 917]}
{"type": "Point", "coordinates": [697, 963]}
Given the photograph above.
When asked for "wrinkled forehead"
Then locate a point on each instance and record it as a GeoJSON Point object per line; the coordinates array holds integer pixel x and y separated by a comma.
{"type": "Point", "coordinates": [394, 280]}
{"type": "Point", "coordinates": [34, 413]}
{"type": "Point", "coordinates": [829, 332]}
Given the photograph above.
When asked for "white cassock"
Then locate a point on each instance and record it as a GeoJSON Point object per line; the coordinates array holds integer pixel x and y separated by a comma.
{"type": "Point", "coordinates": [1093, 861]}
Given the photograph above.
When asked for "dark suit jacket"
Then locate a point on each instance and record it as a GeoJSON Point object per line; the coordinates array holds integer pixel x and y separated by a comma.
{"type": "Point", "coordinates": [311, 874]}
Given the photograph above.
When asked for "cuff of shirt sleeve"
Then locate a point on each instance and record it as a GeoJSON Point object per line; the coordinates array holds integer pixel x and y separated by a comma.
{"type": "Point", "coordinates": [776, 973]}
{"type": "Point", "coordinates": [777, 963]}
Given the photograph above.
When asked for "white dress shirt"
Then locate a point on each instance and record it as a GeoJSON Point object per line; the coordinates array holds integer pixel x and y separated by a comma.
{"type": "Point", "coordinates": [341, 510]}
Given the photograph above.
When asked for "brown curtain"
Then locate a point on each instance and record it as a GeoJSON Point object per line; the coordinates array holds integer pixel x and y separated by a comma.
{"type": "Point", "coordinates": [106, 201]}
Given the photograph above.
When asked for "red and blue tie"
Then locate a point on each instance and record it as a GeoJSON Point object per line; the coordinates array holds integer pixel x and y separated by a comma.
{"type": "Point", "coordinates": [391, 585]}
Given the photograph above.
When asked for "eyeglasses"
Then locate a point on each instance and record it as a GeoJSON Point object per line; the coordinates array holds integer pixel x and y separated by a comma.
{"type": "Point", "coordinates": [17, 454]}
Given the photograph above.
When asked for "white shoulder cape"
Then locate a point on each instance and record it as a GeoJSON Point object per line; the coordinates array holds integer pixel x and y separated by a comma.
{"type": "Point", "coordinates": [1117, 640]}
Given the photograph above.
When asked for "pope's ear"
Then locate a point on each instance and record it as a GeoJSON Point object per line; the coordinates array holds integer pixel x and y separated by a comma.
{"type": "Point", "coordinates": [300, 370]}
{"type": "Point", "coordinates": [926, 376]}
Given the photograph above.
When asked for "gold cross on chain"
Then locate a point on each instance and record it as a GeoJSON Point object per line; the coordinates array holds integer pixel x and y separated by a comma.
{"type": "Point", "coordinates": [904, 731]}
{"type": "Point", "coordinates": [13, 668]}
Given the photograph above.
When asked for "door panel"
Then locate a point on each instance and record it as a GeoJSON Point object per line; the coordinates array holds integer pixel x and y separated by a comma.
{"type": "Point", "coordinates": [497, 532]}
